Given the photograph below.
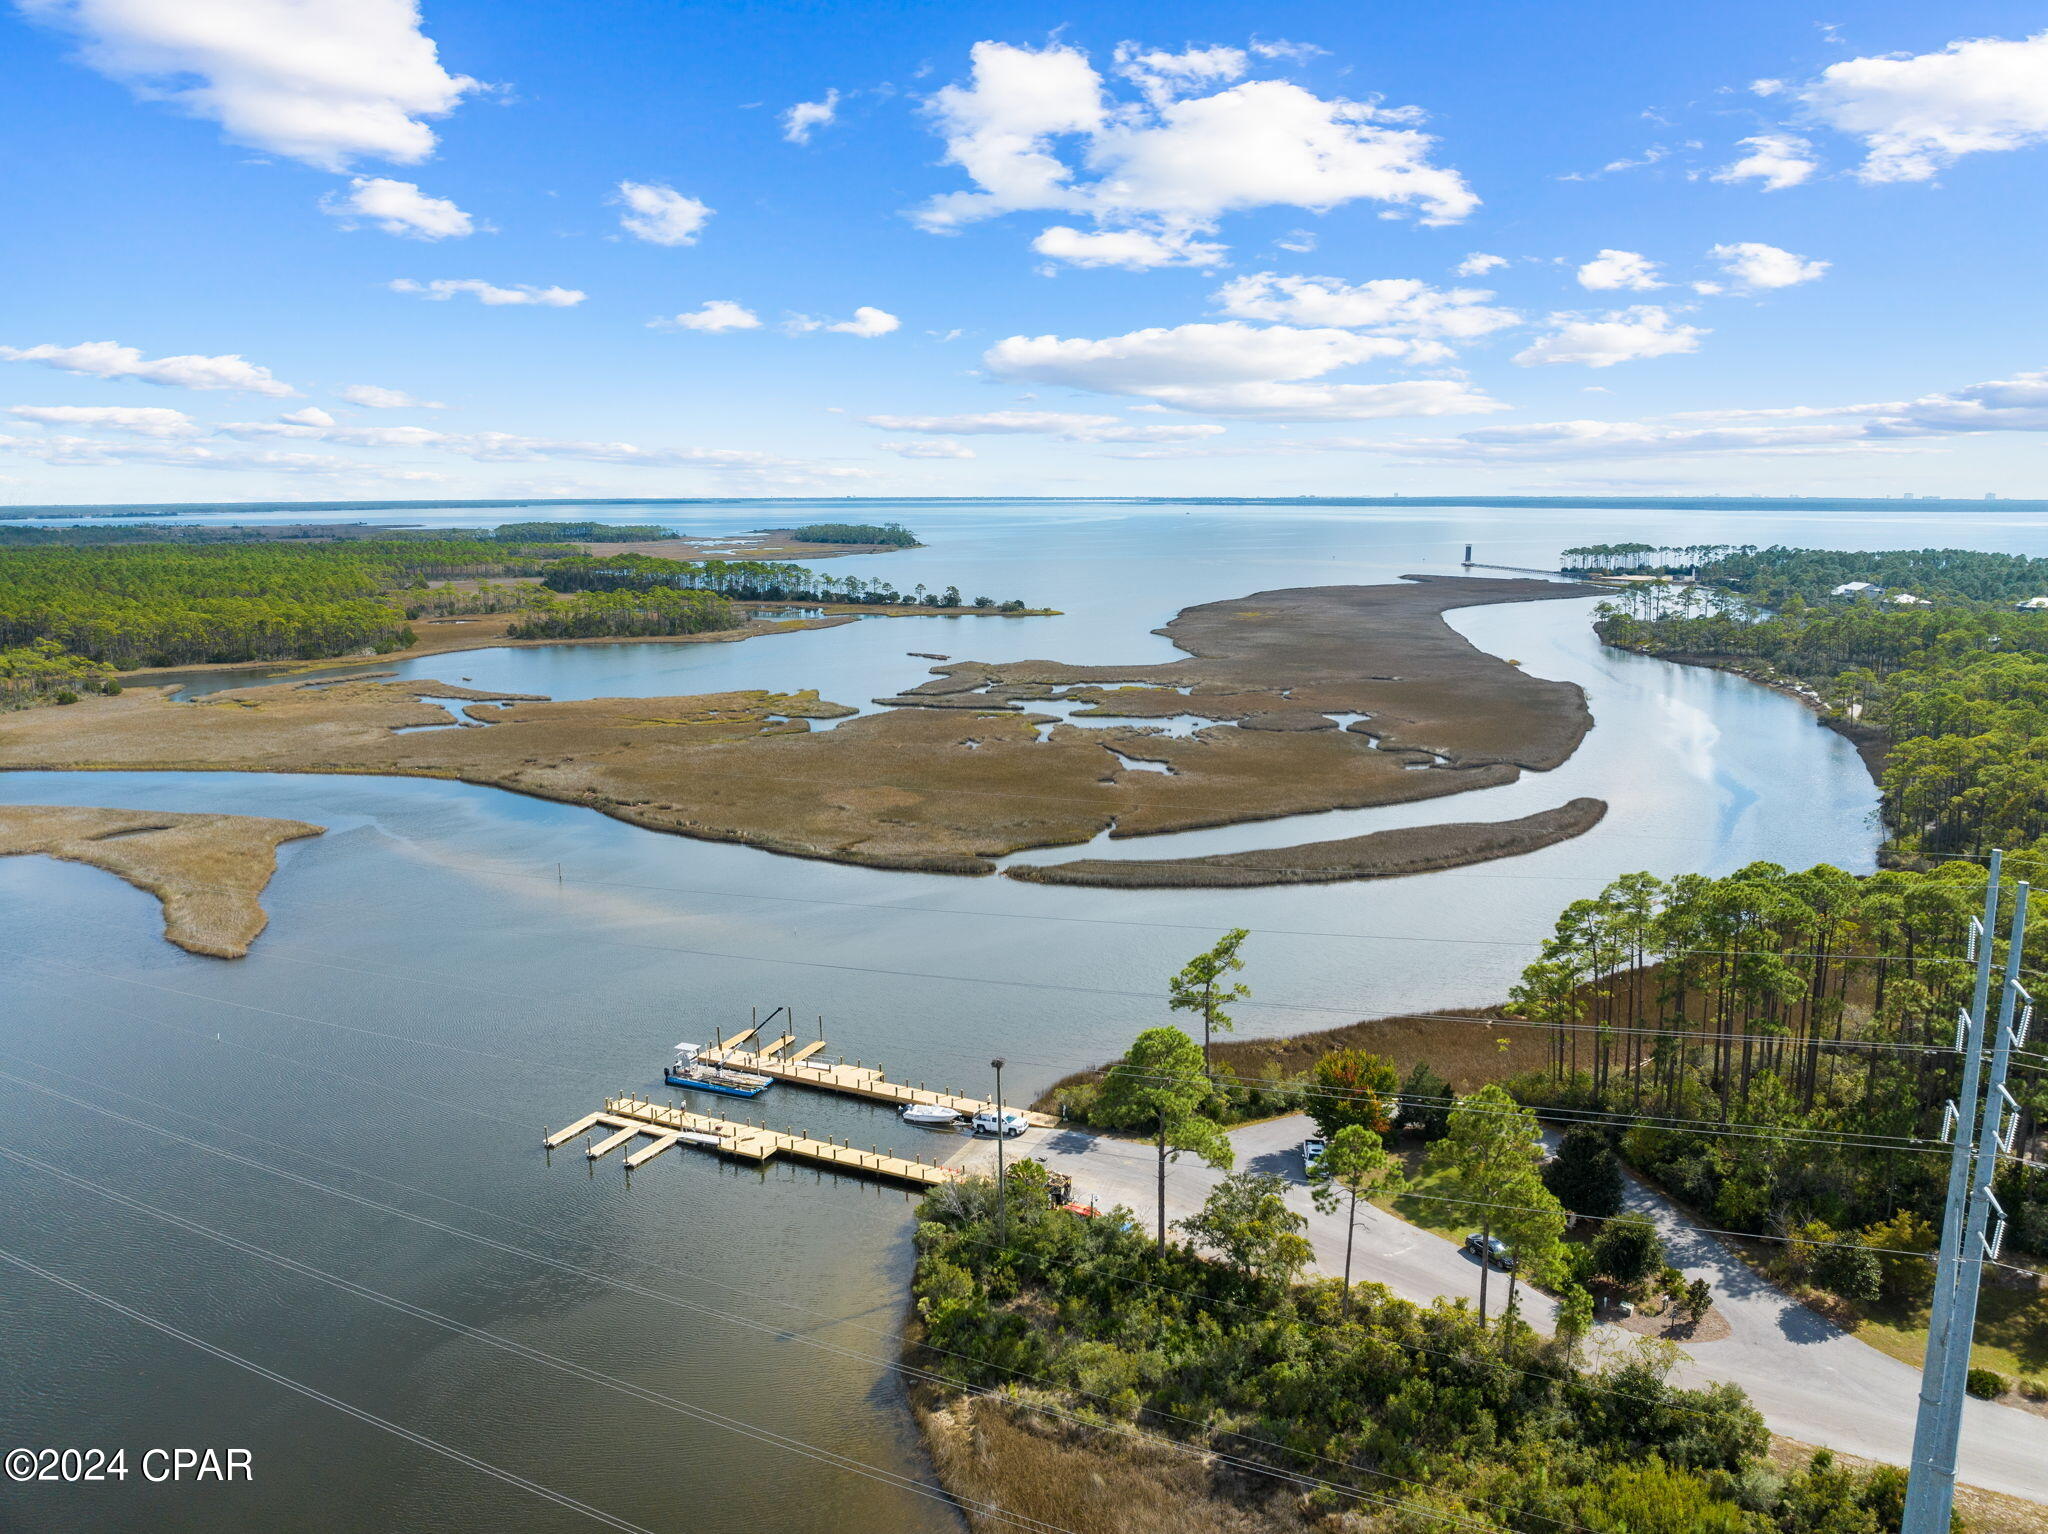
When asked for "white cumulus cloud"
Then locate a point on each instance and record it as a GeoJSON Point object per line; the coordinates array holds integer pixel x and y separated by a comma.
{"type": "Point", "coordinates": [312, 415]}
{"type": "Point", "coordinates": [806, 117]}
{"type": "Point", "coordinates": [1160, 76]}
{"type": "Point", "coordinates": [377, 397]}
{"type": "Point", "coordinates": [1135, 250]}
{"type": "Point", "coordinates": [1232, 368]}
{"type": "Point", "coordinates": [399, 207]}
{"type": "Point", "coordinates": [659, 214]}
{"type": "Point", "coordinates": [1613, 269]}
{"type": "Point", "coordinates": [1479, 263]}
{"type": "Point", "coordinates": [939, 449]}
{"type": "Point", "coordinates": [1042, 130]}
{"type": "Point", "coordinates": [714, 315]}
{"type": "Point", "coordinates": [1623, 335]}
{"type": "Point", "coordinates": [131, 420]}
{"type": "Point", "coordinates": [322, 81]}
{"type": "Point", "coordinates": [1778, 160]}
{"type": "Point", "coordinates": [1387, 305]}
{"type": "Point", "coordinates": [109, 359]}
{"type": "Point", "coordinates": [1333, 401]}
{"type": "Point", "coordinates": [1917, 113]}
{"type": "Point", "coordinates": [1074, 426]}
{"type": "Point", "coordinates": [2015, 404]}
{"type": "Point", "coordinates": [1766, 266]}
{"type": "Point", "coordinates": [867, 323]}
{"type": "Point", "coordinates": [441, 289]}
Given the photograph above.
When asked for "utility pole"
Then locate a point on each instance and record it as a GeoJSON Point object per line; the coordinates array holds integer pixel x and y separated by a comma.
{"type": "Point", "coordinates": [1002, 1189]}
{"type": "Point", "coordinates": [1978, 1122]}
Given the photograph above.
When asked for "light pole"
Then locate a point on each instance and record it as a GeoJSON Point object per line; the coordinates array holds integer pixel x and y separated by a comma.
{"type": "Point", "coordinates": [1002, 1193]}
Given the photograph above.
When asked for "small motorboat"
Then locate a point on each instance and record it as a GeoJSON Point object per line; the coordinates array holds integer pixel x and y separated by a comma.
{"type": "Point", "coordinates": [688, 1070]}
{"type": "Point", "coordinates": [698, 1137]}
{"type": "Point", "coordinates": [929, 1115]}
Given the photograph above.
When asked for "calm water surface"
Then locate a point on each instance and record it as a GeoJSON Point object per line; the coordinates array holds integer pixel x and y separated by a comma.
{"type": "Point", "coordinates": [449, 969]}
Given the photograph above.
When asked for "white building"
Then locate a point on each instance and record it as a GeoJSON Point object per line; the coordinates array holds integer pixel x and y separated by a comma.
{"type": "Point", "coordinates": [1852, 588]}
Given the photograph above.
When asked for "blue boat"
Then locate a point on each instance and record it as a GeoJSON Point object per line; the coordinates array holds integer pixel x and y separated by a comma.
{"type": "Point", "coordinates": [687, 1070]}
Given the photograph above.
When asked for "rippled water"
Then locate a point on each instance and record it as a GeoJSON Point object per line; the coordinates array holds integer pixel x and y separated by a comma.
{"type": "Point", "coordinates": [449, 969]}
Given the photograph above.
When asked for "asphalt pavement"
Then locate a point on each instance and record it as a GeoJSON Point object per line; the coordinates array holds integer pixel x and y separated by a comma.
{"type": "Point", "coordinates": [1811, 1380]}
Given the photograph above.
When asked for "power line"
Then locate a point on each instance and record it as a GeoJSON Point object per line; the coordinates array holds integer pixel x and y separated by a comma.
{"type": "Point", "coordinates": [1735, 1129]}
{"type": "Point", "coordinates": [1244, 1464]}
{"type": "Point", "coordinates": [1700, 1126]}
{"type": "Point", "coordinates": [560, 1499]}
{"type": "Point", "coordinates": [667, 1268]}
{"type": "Point", "coordinates": [1657, 952]}
{"type": "Point", "coordinates": [531, 1354]}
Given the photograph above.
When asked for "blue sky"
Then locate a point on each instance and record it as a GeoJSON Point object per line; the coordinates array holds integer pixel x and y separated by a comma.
{"type": "Point", "coordinates": [304, 249]}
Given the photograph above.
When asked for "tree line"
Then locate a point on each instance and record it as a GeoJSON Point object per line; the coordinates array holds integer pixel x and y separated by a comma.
{"type": "Point", "coordinates": [1958, 692]}
{"type": "Point", "coordinates": [1214, 1341]}
{"type": "Point", "coordinates": [1813, 1011]}
{"type": "Point", "coordinates": [172, 604]}
{"type": "Point", "coordinates": [1774, 574]}
{"type": "Point", "coordinates": [628, 614]}
{"type": "Point", "coordinates": [44, 671]}
{"type": "Point", "coordinates": [889, 534]}
{"type": "Point", "coordinates": [754, 580]}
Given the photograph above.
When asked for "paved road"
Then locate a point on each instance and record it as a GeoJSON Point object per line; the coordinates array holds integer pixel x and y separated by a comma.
{"type": "Point", "coordinates": [1811, 1380]}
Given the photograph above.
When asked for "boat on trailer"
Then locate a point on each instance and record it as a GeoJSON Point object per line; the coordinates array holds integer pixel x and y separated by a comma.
{"type": "Point", "coordinates": [688, 1070]}
{"type": "Point", "coordinates": [929, 1115]}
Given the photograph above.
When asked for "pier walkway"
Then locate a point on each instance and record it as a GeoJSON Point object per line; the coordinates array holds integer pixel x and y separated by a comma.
{"type": "Point", "coordinates": [630, 1117]}
{"type": "Point", "coordinates": [857, 1080]}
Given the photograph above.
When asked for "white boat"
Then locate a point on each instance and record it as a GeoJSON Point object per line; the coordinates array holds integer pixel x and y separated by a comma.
{"type": "Point", "coordinates": [930, 1115]}
{"type": "Point", "coordinates": [698, 1137]}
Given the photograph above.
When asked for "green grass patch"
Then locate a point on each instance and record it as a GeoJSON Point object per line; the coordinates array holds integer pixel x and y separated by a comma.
{"type": "Point", "coordinates": [2012, 1332]}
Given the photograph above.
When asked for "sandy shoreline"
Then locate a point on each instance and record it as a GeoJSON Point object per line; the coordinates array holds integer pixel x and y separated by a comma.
{"type": "Point", "coordinates": [207, 870]}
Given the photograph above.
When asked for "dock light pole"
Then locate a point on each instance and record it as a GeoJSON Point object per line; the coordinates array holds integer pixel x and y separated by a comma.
{"type": "Point", "coordinates": [1002, 1191]}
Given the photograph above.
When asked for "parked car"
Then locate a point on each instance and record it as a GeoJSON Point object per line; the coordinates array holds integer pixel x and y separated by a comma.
{"type": "Point", "coordinates": [1312, 1152]}
{"type": "Point", "coordinates": [1490, 1249]}
{"type": "Point", "coordinates": [1011, 1124]}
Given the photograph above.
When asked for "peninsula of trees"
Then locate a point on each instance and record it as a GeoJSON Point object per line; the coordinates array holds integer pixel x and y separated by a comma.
{"type": "Point", "coordinates": [892, 535]}
{"type": "Point", "coordinates": [78, 607]}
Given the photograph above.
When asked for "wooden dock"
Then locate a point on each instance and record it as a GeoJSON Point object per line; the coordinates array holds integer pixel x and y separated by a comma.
{"type": "Point", "coordinates": [631, 1117]}
{"type": "Point", "coordinates": [857, 1080]}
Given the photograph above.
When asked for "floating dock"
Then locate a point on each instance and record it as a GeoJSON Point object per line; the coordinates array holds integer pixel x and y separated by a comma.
{"type": "Point", "coordinates": [630, 1118]}
{"type": "Point", "coordinates": [856, 1080]}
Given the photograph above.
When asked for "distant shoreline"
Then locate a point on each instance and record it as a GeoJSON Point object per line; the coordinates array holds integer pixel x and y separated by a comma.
{"type": "Point", "coordinates": [1504, 502]}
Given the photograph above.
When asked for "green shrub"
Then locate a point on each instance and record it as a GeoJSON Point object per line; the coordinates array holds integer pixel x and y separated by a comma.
{"type": "Point", "coordinates": [1628, 1250]}
{"type": "Point", "coordinates": [1585, 1174]}
{"type": "Point", "coordinates": [1988, 1384]}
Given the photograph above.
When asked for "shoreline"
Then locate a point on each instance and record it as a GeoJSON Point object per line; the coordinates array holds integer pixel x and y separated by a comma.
{"type": "Point", "coordinates": [1871, 743]}
{"type": "Point", "coordinates": [934, 789]}
{"type": "Point", "coordinates": [207, 871]}
{"type": "Point", "coordinates": [487, 633]}
{"type": "Point", "coordinates": [1391, 854]}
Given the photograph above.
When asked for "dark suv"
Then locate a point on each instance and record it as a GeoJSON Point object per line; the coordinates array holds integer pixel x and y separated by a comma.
{"type": "Point", "coordinates": [1490, 1249]}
